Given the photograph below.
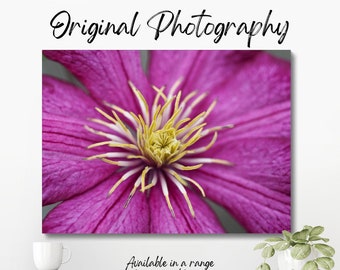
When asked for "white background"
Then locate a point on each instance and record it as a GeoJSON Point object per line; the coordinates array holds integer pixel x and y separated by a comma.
{"type": "Point", "coordinates": [313, 39]}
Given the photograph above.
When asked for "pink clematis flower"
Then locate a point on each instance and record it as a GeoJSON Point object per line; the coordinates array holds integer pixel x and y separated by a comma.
{"type": "Point", "coordinates": [140, 152]}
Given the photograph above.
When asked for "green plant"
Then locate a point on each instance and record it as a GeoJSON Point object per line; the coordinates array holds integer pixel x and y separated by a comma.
{"type": "Point", "coordinates": [302, 244]}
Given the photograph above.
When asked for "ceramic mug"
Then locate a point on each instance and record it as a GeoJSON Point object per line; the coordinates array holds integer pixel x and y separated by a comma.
{"type": "Point", "coordinates": [50, 255]}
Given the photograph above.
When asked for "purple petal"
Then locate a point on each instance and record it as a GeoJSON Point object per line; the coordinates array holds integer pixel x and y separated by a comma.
{"type": "Point", "coordinates": [256, 189]}
{"type": "Point", "coordinates": [65, 175]}
{"type": "Point", "coordinates": [256, 207]}
{"type": "Point", "coordinates": [270, 121]}
{"type": "Point", "coordinates": [163, 222]}
{"type": "Point", "coordinates": [106, 74]}
{"type": "Point", "coordinates": [64, 99]}
{"type": "Point", "coordinates": [166, 67]}
{"type": "Point", "coordinates": [259, 147]}
{"type": "Point", "coordinates": [259, 83]}
{"type": "Point", "coordinates": [95, 212]}
{"type": "Point", "coordinates": [241, 81]}
{"type": "Point", "coordinates": [65, 171]}
{"type": "Point", "coordinates": [201, 70]}
{"type": "Point", "coordinates": [65, 140]}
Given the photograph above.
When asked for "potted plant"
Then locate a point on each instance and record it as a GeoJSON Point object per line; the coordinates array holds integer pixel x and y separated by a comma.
{"type": "Point", "coordinates": [304, 249]}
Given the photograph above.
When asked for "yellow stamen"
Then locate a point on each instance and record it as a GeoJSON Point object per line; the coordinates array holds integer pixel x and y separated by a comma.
{"type": "Point", "coordinates": [207, 160]}
{"type": "Point", "coordinates": [166, 105]}
{"type": "Point", "coordinates": [187, 168]}
{"type": "Point", "coordinates": [120, 163]}
{"type": "Point", "coordinates": [186, 136]}
{"type": "Point", "coordinates": [120, 122]}
{"type": "Point", "coordinates": [133, 191]}
{"type": "Point", "coordinates": [110, 154]}
{"type": "Point", "coordinates": [145, 171]}
{"type": "Point", "coordinates": [99, 121]}
{"type": "Point", "coordinates": [221, 161]}
{"type": "Point", "coordinates": [153, 182]}
{"type": "Point", "coordinates": [178, 98]}
{"type": "Point", "coordinates": [106, 115]}
{"type": "Point", "coordinates": [159, 94]}
{"type": "Point", "coordinates": [178, 177]}
{"type": "Point", "coordinates": [189, 204]}
{"type": "Point", "coordinates": [142, 102]}
{"type": "Point", "coordinates": [99, 144]}
{"type": "Point", "coordinates": [195, 183]}
{"type": "Point", "coordinates": [115, 186]}
{"type": "Point", "coordinates": [176, 156]}
{"type": "Point", "coordinates": [211, 107]}
{"type": "Point", "coordinates": [104, 134]}
{"type": "Point", "coordinates": [123, 178]}
{"type": "Point", "coordinates": [193, 139]}
{"type": "Point", "coordinates": [137, 156]}
{"type": "Point", "coordinates": [184, 193]}
{"type": "Point", "coordinates": [171, 121]}
{"type": "Point", "coordinates": [181, 122]}
{"type": "Point", "coordinates": [124, 145]}
{"type": "Point", "coordinates": [189, 96]}
{"type": "Point", "coordinates": [169, 205]}
{"type": "Point", "coordinates": [191, 123]}
{"type": "Point", "coordinates": [120, 110]}
{"type": "Point", "coordinates": [204, 148]}
{"type": "Point", "coordinates": [196, 101]}
{"type": "Point", "coordinates": [148, 186]}
{"type": "Point", "coordinates": [175, 86]}
{"type": "Point", "coordinates": [218, 128]}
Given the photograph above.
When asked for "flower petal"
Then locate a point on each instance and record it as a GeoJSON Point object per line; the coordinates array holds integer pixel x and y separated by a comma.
{"type": "Point", "coordinates": [65, 140]}
{"type": "Point", "coordinates": [271, 121]}
{"type": "Point", "coordinates": [166, 67]}
{"type": "Point", "coordinates": [241, 81]}
{"type": "Point", "coordinates": [201, 70]}
{"type": "Point", "coordinates": [106, 74]}
{"type": "Point", "coordinates": [259, 147]}
{"type": "Point", "coordinates": [257, 208]}
{"type": "Point", "coordinates": [95, 212]}
{"type": "Point", "coordinates": [163, 222]}
{"type": "Point", "coordinates": [256, 188]}
{"type": "Point", "coordinates": [63, 99]}
{"type": "Point", "coordinates": [259, 83]}
{"type": "Point", "coordinates": [65, 171]}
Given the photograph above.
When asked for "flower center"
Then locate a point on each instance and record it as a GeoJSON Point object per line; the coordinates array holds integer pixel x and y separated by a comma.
{"type": "Point", "coordinates": [158, 145]}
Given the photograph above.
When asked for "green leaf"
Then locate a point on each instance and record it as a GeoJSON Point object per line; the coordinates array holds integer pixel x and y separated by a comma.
{"type": "Point", "coordinates": [260, 246]}
{"type": "Point", "coordinates": [263, 266]}
{"type": "Point", "coordinates": [287, 235]}
{"type": "Point", "coordinates": [301, 251]}
{"type": "Point", "coordinates": [310, 265]}
{"type": "Point", "coordinates": [309, 228]}
{"type": "Point", "coordinates": [301, 236]}
{"type": "Point", "coordinates": [273, 239]}
{"type": "Point", "coordinates": [325, 249]}
{"type": "Point", "coordinates": [317, 238]}
{"type": "Point", "coordinates": [325, 262]}
{"type": "Point", "coordinates": [282, 245]}
{"type": "Point", "coordinates": [268, 252]}
{"type": "Point", "coordinates": [317, 230]}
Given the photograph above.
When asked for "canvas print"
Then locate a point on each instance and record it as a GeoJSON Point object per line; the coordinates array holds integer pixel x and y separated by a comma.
{"type": "Point", "coordinates": [166, 142]}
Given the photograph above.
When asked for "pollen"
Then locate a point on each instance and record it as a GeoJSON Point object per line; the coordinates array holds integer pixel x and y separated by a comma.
{"type": "Point", "coordinates": [158, 144]}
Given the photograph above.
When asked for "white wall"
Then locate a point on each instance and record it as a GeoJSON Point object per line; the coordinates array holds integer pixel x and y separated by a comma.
{"type": "Point", "coordinates": [316, 144]}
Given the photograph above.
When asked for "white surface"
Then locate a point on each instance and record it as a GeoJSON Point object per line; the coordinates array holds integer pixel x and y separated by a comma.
{"type": "Point", "coordinates": [313, 40]}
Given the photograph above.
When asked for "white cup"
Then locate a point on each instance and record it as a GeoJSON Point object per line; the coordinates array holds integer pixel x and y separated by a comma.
{"type": "Point", "coordinates": [50, 255]}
